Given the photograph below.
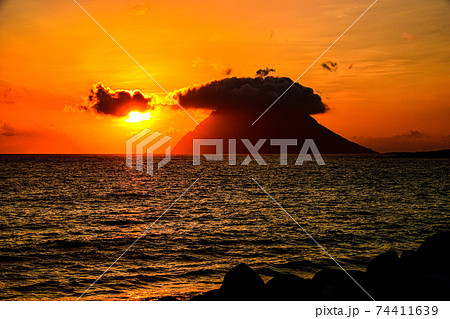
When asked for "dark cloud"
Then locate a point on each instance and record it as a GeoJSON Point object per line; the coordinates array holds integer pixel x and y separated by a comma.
{"type": "Point", "coordinates": [264, 72]}
{"type": "Point", "coordinates": [118, 103]}
{"type": "Point", "coordinates": [252, 95]}
{"type": "Point", "coordinates": [410, 141]}
{"type": "Point", "coordinates": [330, 66]}
{"type": "Point", "coordinates": [7, 130]}
{"type": "Point", "coordinates": [411, 134]}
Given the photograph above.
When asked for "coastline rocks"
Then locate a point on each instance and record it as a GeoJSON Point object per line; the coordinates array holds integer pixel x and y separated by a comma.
{"type": "Point", "coordinates": [384, 265]}
{"type": "Point", "coordinates": [434, 256]}
{"type": "Point", "coordinates": [337, 285]}
{"type": "Point", "coordinates": [242, 283]}
{"type": "Point", "coordinates": [385, 277]}
{"type": "Point", "coordinates": [287, 287]}
{"type": "Point", "coordinates": [435, 252]}
{"type": "Point", "coordinates": [411, 262]}
{"type": "Point", "coordinates": [415, 275]}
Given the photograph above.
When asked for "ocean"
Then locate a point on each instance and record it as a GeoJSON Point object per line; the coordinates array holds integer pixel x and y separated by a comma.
{"type": "Point", "coordinates": [64, 219]}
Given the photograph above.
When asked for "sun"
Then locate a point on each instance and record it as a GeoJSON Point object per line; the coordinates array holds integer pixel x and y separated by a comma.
{"type": "Point", "coordinates": [136, 117]}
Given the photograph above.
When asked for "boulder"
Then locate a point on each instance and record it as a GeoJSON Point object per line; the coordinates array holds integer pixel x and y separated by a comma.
{"type": "Point", "coordinates": [337, 285]}
{"type": "Point", "coordinates": [287, 287]}
{"type": "Point", "coordinates": [436, 287]}
{"type": "Point", "coordinates": [242, 283]}
{"type": "Point", "coordinates": [411, 262]}
{"type": "Point", "coordinates": [435, 252]}
{"type": "Point", "coordinates": [421, 275]}
{"type": "Point", "coordinates": [385, 264]}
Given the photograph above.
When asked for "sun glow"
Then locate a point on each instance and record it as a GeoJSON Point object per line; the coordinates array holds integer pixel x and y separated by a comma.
{"type": "Point", "coordinates": [136, 117]}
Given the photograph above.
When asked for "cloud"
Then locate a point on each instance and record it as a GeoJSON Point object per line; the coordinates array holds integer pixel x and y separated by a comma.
{"type": "Point", "coordinates": [411, 134]}
{"type": "Point", "coordinates": [35, 139]}
{"type": "Point", "coordinates": [118, 103]}
{"type": "Point", "coordinates": [413, 140]}
{"type": "Point", "coordinates": [251, 95]}
{"type": "Point", "coordinates": [7, 130]}
{"type": "Point", "coordinates": [264, 72]}
{"type": "Point", "coordinates": [330, 66]}
{"type": "Point", "coordinates": [407, 37]}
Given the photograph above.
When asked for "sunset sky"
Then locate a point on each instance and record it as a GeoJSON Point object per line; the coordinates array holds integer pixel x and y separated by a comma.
{"type": "Point", "coordinates": [390, 91]}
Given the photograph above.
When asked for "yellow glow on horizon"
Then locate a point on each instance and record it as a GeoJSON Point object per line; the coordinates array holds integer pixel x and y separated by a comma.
{"type": "Point", "coordinates": [136, 117]}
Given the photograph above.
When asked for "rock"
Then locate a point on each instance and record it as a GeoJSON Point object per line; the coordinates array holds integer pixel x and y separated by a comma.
{"type": "Point", "coordinates": [421, 275]}
{"type": "Point", "coordinates": [411, 263]}
{"type": "Point", "coordinates": [394, 278]}
{"type": "Point", "coordinates": [435, 252]}
{"type": "Point", "coordinates": [326, 276]}
{"type": "Point", "coordinates": [436, 287]}
{"type": "Point", "coordinates": [242, 283]}
{"type": "Point", "coordinates": [337, 285]}
{"type": "Point", "coordinates": [287, 287]}
{"type": "Point", "coordinates": [383, 275]}
{"type": "Point", "coordinates": [385, 264]}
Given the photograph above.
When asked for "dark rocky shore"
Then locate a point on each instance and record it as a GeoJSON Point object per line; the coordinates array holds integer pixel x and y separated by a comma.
{"type": "Point", "coordinates": [414, 275]}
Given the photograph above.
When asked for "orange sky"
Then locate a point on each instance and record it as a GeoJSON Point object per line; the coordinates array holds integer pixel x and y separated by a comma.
{"type": "Point", "coordinates": [394, 97]}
